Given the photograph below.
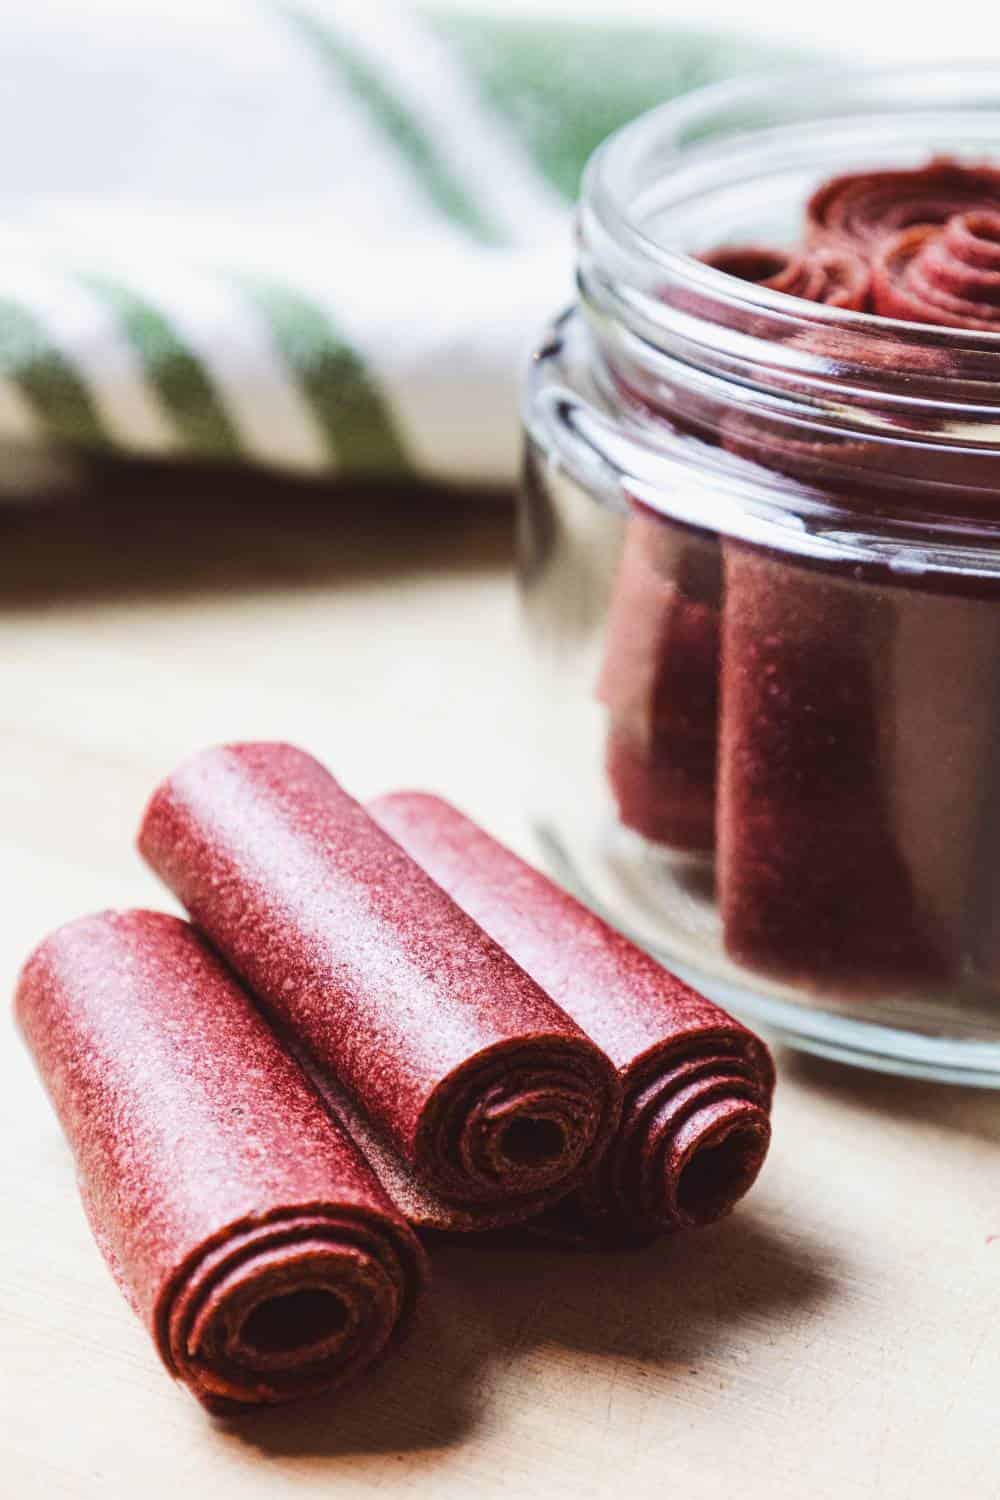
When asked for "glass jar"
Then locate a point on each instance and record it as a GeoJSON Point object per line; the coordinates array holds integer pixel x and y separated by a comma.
{"type": "Point", "coordinates": [760, 557]}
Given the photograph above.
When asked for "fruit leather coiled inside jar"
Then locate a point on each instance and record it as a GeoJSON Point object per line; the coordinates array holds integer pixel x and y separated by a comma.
{"type": "Point", "coordinates": [831, 274]}
{"type": "Point", "coordinates": [660, 671]}
{"type": "Point", "coordinates": [659, 682]}
{"type": "Point", "coordinates": [859, 714]}
{"type": "Point", "coordinates": [860, 211]}
{"type": "Point", "coordinates": [856, 719]}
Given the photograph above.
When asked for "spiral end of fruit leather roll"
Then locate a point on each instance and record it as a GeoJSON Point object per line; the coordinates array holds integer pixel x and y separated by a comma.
{"type": "Point", "coordinates": [695, 1126]}
{"type": "Point", "coordinates": [286, 1308]}
{"type": "Point", "coordinates": [832, 274]}
{"type": "Point", "coordinates": [862, 210]}
{"type": "Point", "coordinates": [520, 1120]}
{"type": "Point", "coordinates": [946, 274]}
{"type": "Point", "coordinates": [492, 1096]}
{"type": "Point", "coordinates": [242, 1224]}
{"type": "Point", "coordinates": [693, 1137]}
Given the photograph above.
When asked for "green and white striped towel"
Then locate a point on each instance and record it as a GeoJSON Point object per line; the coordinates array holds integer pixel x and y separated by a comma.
{"type": "Point", "coordinates": [315, 235]}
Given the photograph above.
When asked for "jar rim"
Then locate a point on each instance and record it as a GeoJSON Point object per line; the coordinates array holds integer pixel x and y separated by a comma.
{"type": "Point", "coordinates": [911, 404]}
{"type": "Point", "coordinates": [623, 460]}
{"type": "Point", "coordinates": [617, 170]}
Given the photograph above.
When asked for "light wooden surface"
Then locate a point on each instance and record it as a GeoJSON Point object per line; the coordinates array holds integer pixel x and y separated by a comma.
{"type": "Point", "coordinates": [839, 1336]}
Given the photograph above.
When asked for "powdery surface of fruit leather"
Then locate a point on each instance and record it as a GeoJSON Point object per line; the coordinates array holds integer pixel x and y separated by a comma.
{"type": "Point", "coordinates": [698, 1085]}
{"type": "Point", "coordinates": [489, 1101]}
{"type": "Point", "coordinates": [245, 1229]}
{"type": "Point", "coordinates": [848, 792]}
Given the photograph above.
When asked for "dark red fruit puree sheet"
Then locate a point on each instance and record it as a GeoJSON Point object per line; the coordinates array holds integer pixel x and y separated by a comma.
{"type": "Point", "coordinates": [660, 684]}
{"type": "Point", "coordinates": [243, 1226]}
{"type": "Point", "coordinates": [695, 1127]}
{"type": "Point", "coordinates": [478, 1101]}
{"type": "Point", "coordinates": [845, 741]}
{"type": "Point", "coordinates": [834, 274]}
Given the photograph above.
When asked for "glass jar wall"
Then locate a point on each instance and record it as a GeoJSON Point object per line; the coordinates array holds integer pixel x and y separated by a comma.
{"type": "Point", "coordinates": [760, 544]}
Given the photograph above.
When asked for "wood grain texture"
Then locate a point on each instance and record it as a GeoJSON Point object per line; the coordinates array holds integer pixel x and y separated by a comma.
{"type": "Point", "coordinates": [835, 1338]}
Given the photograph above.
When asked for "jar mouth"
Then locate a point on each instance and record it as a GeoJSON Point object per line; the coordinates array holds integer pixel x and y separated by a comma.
{"type": "Point", "coordinates": [885, 401]}
{"type": "Point", "coordinates": [801, 122]}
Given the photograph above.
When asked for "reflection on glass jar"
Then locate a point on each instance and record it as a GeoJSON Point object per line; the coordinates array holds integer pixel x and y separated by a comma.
{"type": "Point", "coordinates": [761, 575]}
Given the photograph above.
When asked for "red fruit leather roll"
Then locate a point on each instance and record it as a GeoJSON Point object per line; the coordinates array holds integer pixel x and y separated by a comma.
{"type": "Point", "coordinates": [659, 678]}
{"type": "Point", "coordinates": [847, 793]}
{"type": "Point", "coordinates": [659, 681]}
{"type": "Point", "coordinates": [695, 1125]}
{"type": "Point", "coordinates": [861, 210]}
{"type": "Point", "coordinates": [833, 274]}
{"type": "Point", "coordinates": [482, 1100]}
{"type": "Point", "coordinates": [947, 275]}
{"type": "Point", "coordinates": [242, 1225]}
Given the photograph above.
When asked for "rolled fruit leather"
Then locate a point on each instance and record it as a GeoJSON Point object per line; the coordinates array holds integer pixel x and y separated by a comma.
{"type": "Point", "coordinates": [859, 715]}
{"type": "Point", "coordinates": [659, 682]}
{"type": "Point", "coordinates": [695, 1126]}
{"type": "Point", "coordinates": [242, 1225]}
{"type": "Point", "coordinates": [842, 833]}
{"type": "Point", "coordinates": [660, 673]}
{"type": "Point", "coordinates": [858, 718]}
{"type": "Point", "coordinates": [949, 274]}
{"type": "Point", "coordinates": [859, 211]}
{"type": "Point", "coordinates": [477, 1099]}
{"type": "Point", "coordinates": [833, 274]}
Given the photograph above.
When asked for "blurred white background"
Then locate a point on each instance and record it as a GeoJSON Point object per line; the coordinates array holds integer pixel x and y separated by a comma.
{"type": "Point", "coordinates": [958, 29]}
{"type": "Point", "coordinates": [955, 30]}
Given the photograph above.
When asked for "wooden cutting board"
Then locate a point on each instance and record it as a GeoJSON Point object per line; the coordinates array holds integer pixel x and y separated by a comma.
{"type": "Point", "coordinates": [839, 1336]}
